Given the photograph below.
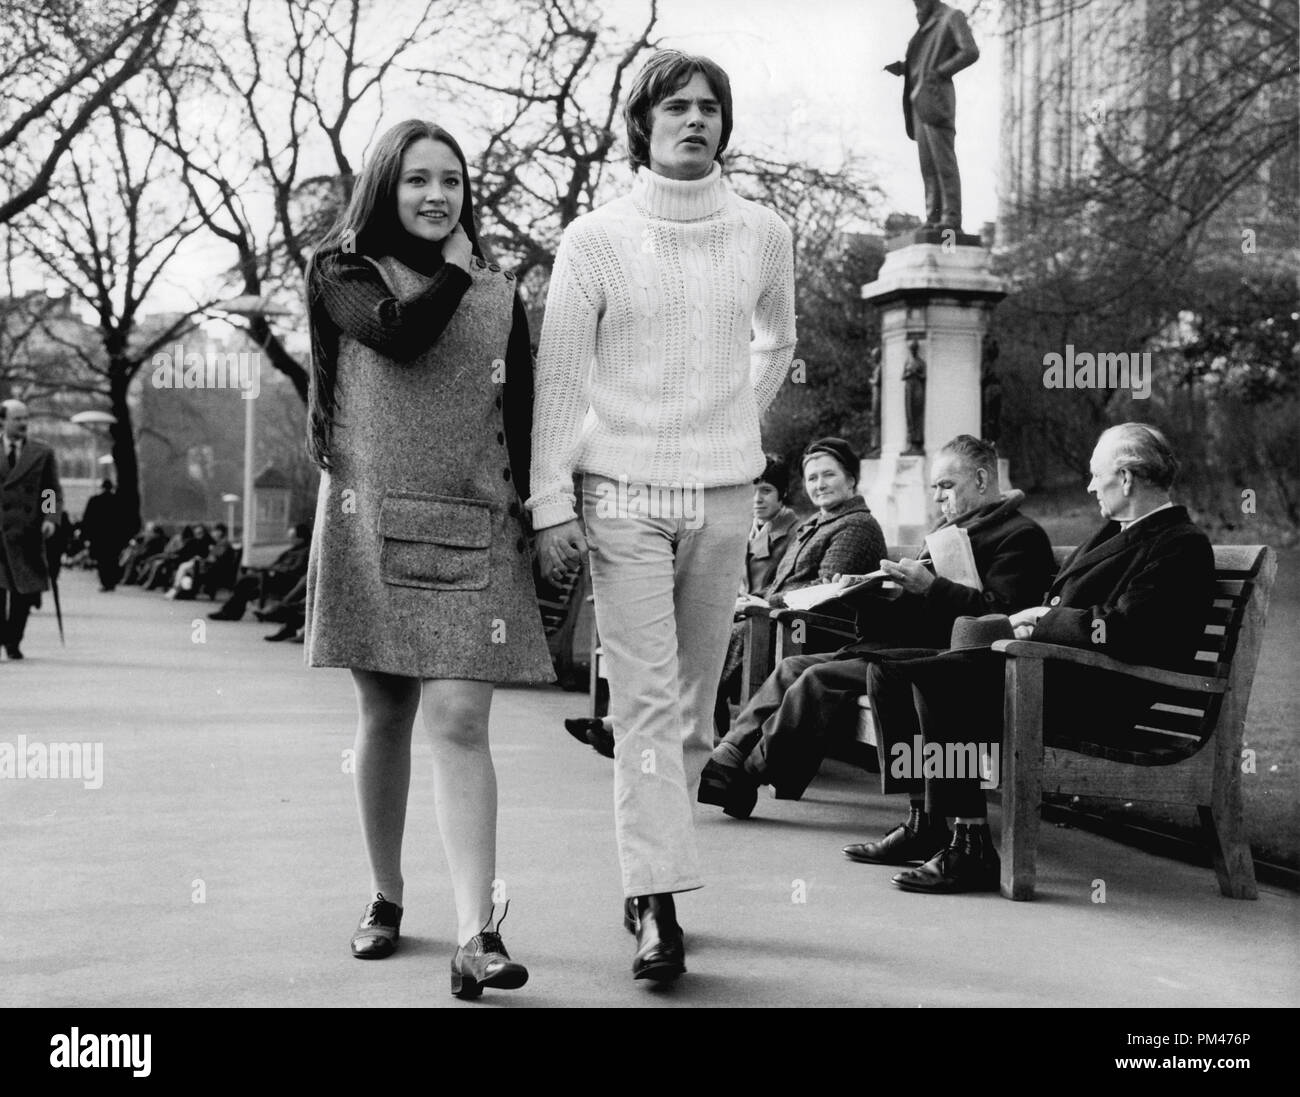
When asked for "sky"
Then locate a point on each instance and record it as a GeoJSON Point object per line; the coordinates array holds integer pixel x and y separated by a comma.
{"type": "Point", "coordinates": [808, 82]}
{"type": "Point", "coordinates": [807, 75]}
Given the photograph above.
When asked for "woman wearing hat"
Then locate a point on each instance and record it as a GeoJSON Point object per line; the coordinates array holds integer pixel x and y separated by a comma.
{"type": "Point", "coordinates": [841, 538]}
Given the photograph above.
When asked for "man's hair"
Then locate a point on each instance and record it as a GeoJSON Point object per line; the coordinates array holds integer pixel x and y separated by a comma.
{"type": "Point", "coordinates": [977, 453]}
{"type": "Point", "coordinates": [1145, 452]}
{"type": "Point", "coordinates": [666, 72]}
{"type": "Point", "coordinates": [220, 526]}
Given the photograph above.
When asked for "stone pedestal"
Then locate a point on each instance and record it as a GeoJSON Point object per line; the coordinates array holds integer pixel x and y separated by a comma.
{"type": "Point", "coordinates": [935, 288]}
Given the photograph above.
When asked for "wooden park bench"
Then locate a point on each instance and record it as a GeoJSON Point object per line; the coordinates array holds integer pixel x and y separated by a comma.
{"type": "Point", "coordinates": [1186, 751]}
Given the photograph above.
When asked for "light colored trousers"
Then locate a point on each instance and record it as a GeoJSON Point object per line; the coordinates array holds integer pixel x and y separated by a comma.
{"type": "Point", "coordinates": [664, 569]}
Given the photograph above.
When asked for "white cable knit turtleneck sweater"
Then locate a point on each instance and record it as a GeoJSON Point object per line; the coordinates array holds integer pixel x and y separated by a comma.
{"type": "Point", "coordinates": [669, 328]}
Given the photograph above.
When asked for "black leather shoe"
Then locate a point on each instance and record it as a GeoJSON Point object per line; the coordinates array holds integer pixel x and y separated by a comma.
{"type": "Point", "coordinates": [660, 951]}
{"type": "Point", "coordinates": [593, 733]}
{"type": "Point", "coordinates": [900, 846]}
{"type": "Point", "coordinates": [484, 962]}
{"type": "Point", "coordinates": [285, 633]}
{"type": "Point", "coordinates": [969, 863]}
{"type": "Point", "coordinates": [12, 651]}
{"type": "Point", "coordinates": [378, 930]}
{"type": "Point", "coordinates": [728, 787]}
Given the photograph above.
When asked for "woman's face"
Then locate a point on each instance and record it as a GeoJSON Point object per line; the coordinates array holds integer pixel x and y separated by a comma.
{"type": "Point", "coordinates": [430, 190]}
{"type": "Point", "coordinates": [826, 482]}
{"type": "Point", "coordinates": [767, 501]}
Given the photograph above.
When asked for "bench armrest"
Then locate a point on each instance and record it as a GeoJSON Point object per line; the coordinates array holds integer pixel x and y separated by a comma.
{"type": "Point", "coordinates": [814, 620]}
{"type": "Point", "coordinates": [1059, 653]}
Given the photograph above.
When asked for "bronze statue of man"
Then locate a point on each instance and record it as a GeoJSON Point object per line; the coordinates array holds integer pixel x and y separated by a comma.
{"type": "Point", "coordinates": [941, 48]}
{"type": "Point", "coordinates": [914, 399]}
{"type": "Point", "coordinates": [875, 381]}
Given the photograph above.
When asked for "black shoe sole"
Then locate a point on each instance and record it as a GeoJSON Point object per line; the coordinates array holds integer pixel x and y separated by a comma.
{"type": "Point", "coordinates": [893, 862]}
{"type": "Point", "coordinates": [662, 971]}
{"type": "Point", "coordinates": [955, 888]}
{"type": "Point", "coordinates": [466, 986]}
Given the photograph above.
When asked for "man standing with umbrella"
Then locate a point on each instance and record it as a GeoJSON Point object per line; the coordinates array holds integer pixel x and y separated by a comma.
{"type": "Point", "coordinates": [30, 502]}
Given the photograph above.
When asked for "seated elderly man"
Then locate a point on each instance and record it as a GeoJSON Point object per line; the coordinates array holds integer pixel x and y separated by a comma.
{"type": "Point", "coordinates": [1139, 589]}
{"type": "Point", "coordinates": [780, 737]}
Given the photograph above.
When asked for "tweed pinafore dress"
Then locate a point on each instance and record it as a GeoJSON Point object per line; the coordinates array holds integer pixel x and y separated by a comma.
{"type": "Point", "coordinates": [419, 565]}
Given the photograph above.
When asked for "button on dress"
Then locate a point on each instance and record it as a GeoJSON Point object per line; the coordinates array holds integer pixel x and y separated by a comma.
{"type": "Point", "coordinates": [419, 565]}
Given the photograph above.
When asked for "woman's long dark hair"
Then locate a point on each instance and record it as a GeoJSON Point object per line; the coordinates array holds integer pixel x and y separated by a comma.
{"type": "Point", "coordinates": [369, 226]}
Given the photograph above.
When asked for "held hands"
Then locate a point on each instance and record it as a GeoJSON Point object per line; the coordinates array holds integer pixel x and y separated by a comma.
{"type": "Point", "coordinates": [561, 549]}
{"type": "Point", "coordinates": [456, 248]}
{"type": "Point", "coordinates": [913, 576]}
{"type": "Point", "coordinates": [1023, 623]}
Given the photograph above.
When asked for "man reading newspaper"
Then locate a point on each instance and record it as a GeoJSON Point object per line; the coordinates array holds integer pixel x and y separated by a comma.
{"type": "Point", "coordinates": [780, 737]}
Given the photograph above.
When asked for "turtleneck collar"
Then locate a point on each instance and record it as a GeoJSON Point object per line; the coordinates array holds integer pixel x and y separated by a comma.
{"type": "Point", "coordinates": [423, 256]}
{"type": "Point", "coordinates": [679, 199]}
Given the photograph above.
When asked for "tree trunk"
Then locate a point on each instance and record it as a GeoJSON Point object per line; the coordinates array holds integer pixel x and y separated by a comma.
{"type": "Point", "coordinates": [124, 455]}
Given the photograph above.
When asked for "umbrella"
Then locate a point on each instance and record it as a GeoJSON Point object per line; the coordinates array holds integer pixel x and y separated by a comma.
{"type": "Point", "coordinates": [53, 561]}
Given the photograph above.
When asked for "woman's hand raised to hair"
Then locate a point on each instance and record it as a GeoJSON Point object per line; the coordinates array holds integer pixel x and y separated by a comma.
{"type": "Point", "coordinates": [456, 248]}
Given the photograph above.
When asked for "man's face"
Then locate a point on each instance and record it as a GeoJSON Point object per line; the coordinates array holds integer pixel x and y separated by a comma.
{"type": "Point", "coordinates": [685, 129]}
{"type": "Point", "coordinates": [1107, 483]}
{"type": "Point", "coordinates": [956, 485]}
{"type": "Point", "coordinates": [15, 422]}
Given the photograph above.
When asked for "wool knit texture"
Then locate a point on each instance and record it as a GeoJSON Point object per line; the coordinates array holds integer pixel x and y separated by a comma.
{"type": "Point", "coordinates": [669, 328]}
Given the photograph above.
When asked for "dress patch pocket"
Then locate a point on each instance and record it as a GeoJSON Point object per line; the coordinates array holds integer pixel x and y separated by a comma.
{"type": "Point", "coordinates": [434, 541]}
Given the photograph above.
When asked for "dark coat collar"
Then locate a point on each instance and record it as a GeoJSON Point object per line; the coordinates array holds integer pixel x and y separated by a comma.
{"type": "Point", "coordinates": [1110, 539]}
{"type": "Point", "coordinates": [28, 452]}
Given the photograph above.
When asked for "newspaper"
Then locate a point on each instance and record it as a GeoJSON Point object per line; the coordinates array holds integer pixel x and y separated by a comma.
{"type": "Point", "coordinates": [805, 598]}
{"type": "Point", "coordinates": [952, 556]}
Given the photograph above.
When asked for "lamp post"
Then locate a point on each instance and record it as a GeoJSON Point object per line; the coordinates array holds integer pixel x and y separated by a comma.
{"type": "Point", "coordinates": [92, 421]}
{"type": "Point", "coordinates": [248, 305]}
{"type": "Point", "coordinates": [230, 499]}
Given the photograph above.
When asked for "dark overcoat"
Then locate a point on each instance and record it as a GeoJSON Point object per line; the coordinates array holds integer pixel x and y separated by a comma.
{"type": "Point", "coordinates": [1140, 595]}
{"type": "Point", "coordinates": [1013, 556]}
{"type": "Point", "coordinates": [845, 541]}
{"type": "Point", "coordinates": [30, 494]}
{"type": "Point", "coordinates": [944, 35]}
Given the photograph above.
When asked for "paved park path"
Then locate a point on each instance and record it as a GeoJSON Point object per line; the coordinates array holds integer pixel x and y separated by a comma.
{"type": "Point", "coordinates": [223, 781]}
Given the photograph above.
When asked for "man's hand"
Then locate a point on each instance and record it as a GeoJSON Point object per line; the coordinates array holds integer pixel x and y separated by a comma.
{"type": "Point", "coordinates": [896, 68]}
{"type": "Point", "coordinates": [1023, 623]}
{"type": "Point", "coordinates": [560, 550]}
{"type": "Point", "coordinates": [47, 529]}
{"type": "Point", "coordinates": [913, 576]}
{"type": "Point", "coordinates": [456, 248]}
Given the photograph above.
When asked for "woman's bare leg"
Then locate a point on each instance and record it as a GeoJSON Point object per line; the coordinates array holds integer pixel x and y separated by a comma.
{"type": "Point", "coordinates": [465, 789]}
{"type": "Point", "coordinates": [386, 706]}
